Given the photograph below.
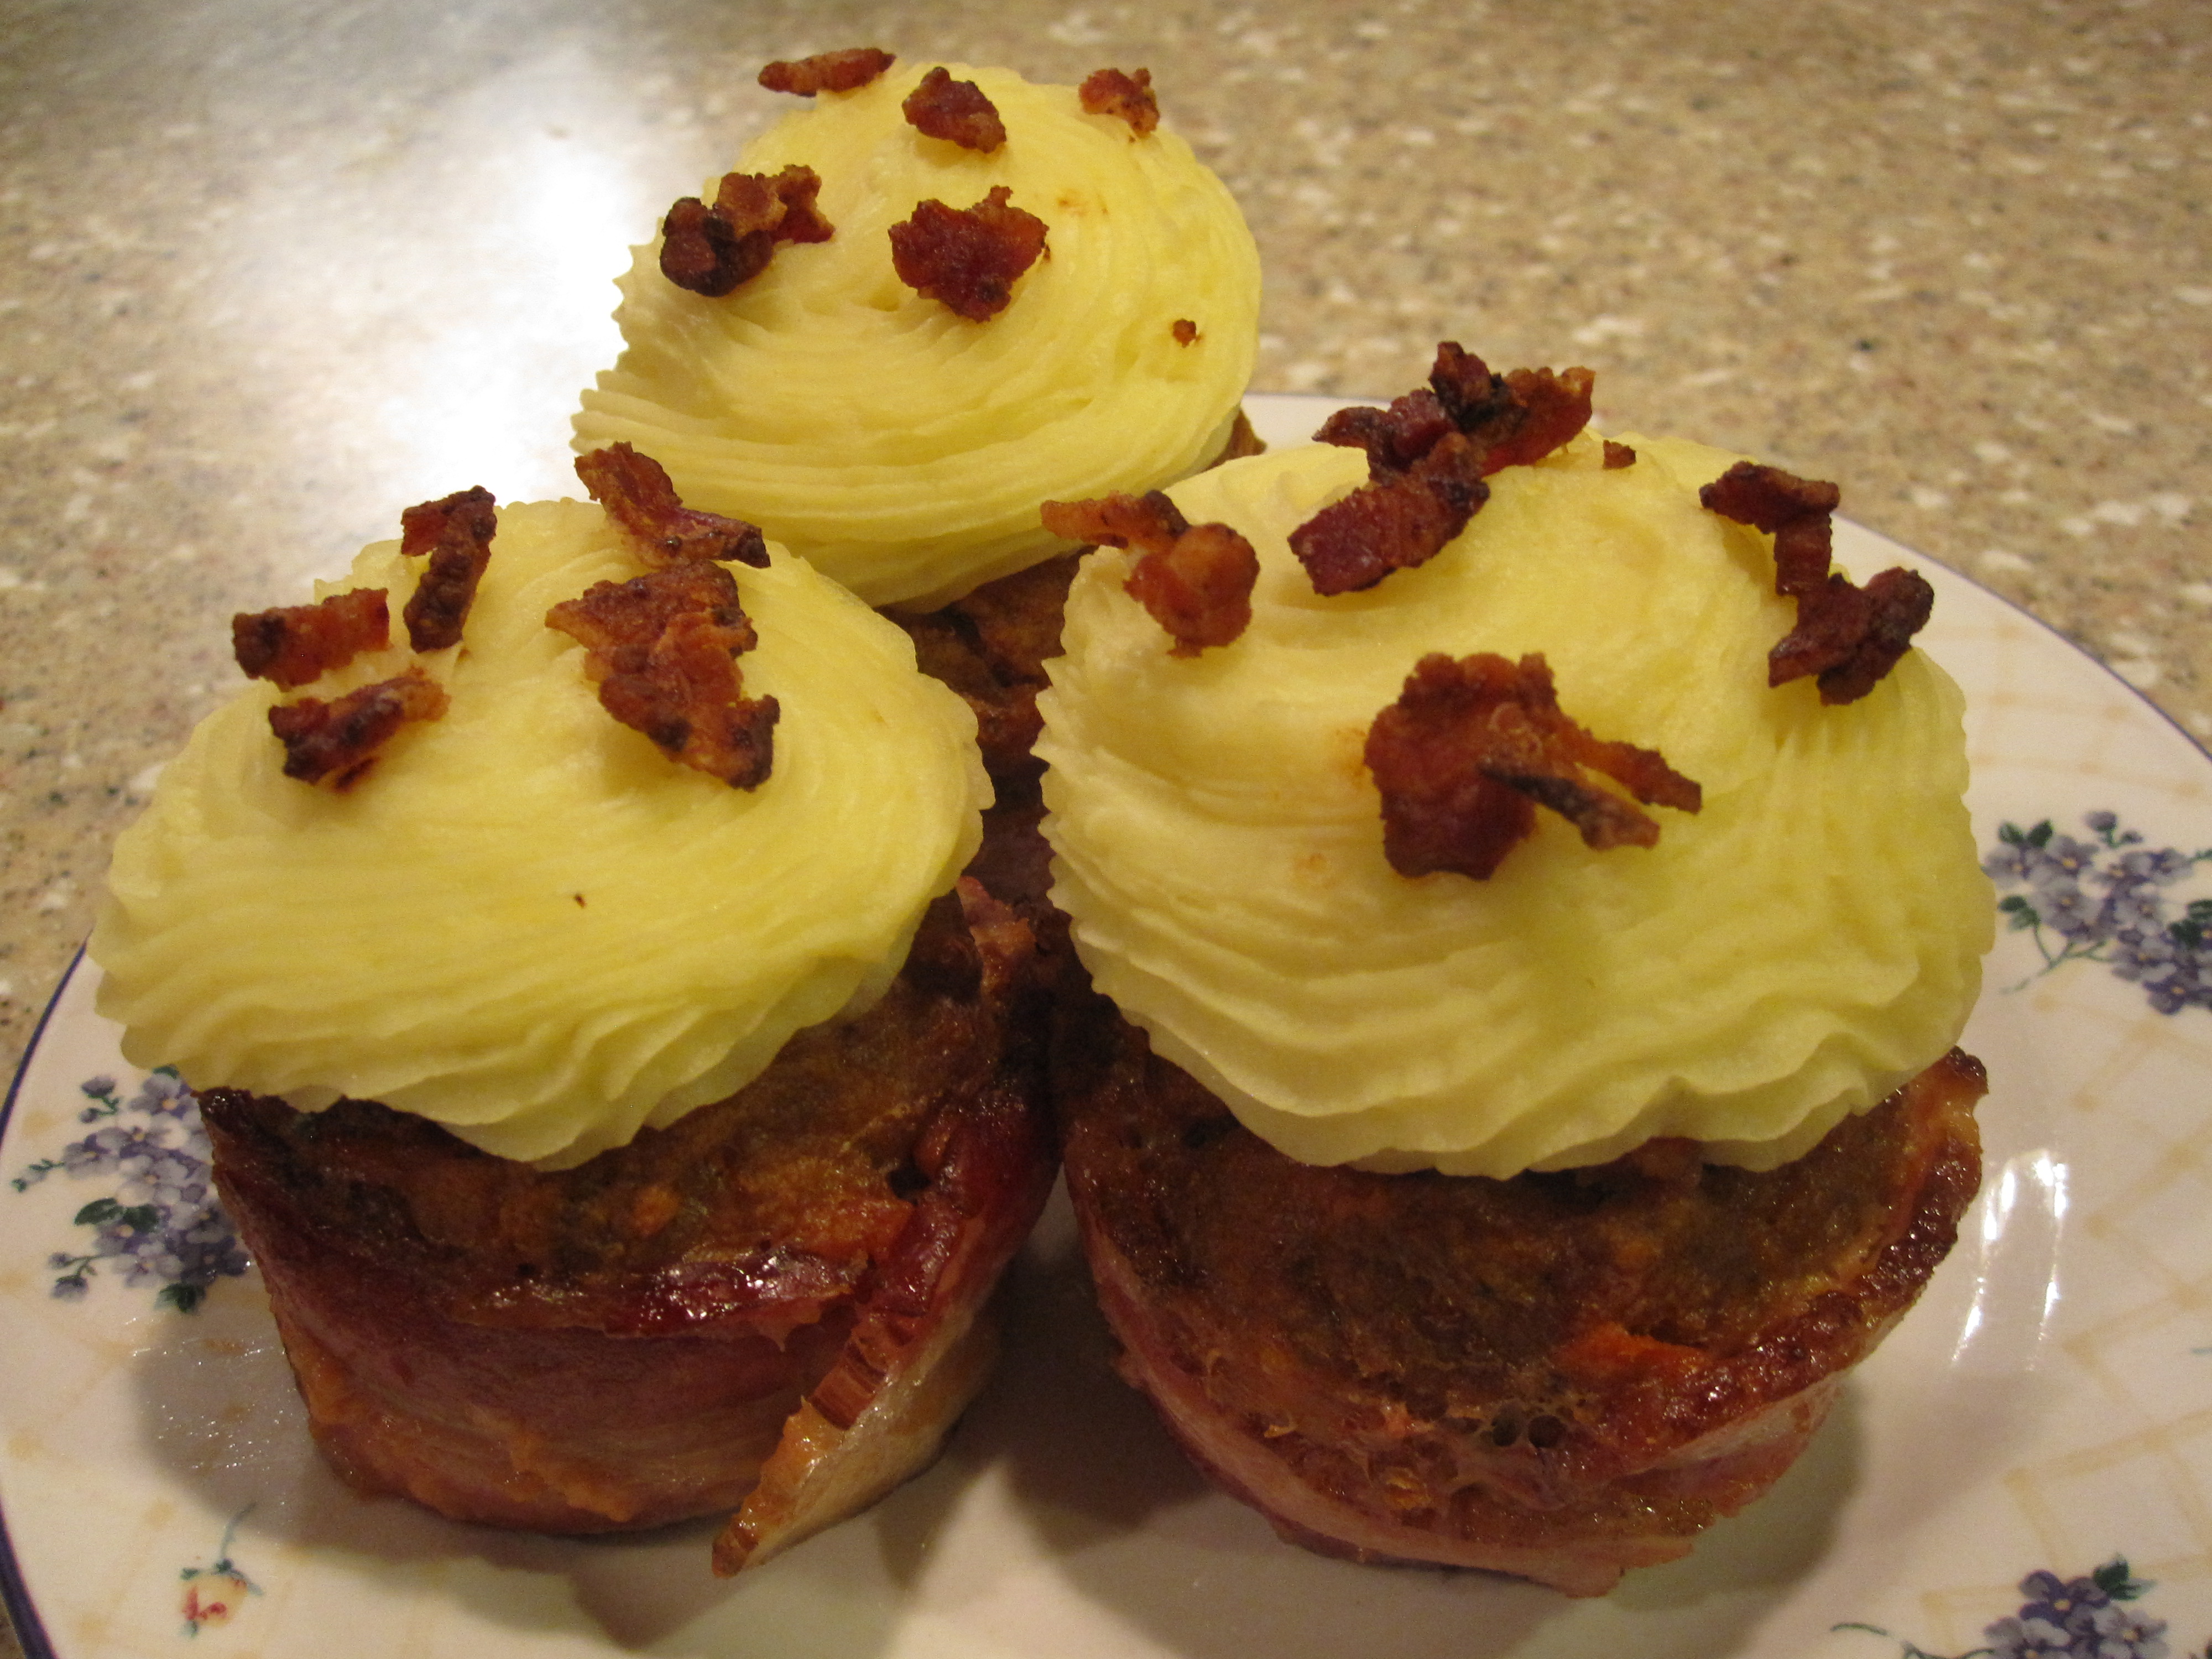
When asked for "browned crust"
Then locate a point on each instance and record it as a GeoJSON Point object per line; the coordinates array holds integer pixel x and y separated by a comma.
{"type": "Point", "coordinates": [1559, 1375]}
{"type": "Point", "coordinates": [459, 1324]}
{"type": "Point", "coordinates": [991, 647]}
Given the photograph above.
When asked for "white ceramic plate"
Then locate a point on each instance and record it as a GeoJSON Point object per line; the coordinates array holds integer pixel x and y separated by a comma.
{"type": "Point", "coordinates": [2047, 1407]}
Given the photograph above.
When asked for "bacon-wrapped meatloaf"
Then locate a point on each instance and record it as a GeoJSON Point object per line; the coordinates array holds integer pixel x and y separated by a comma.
{"type": "Point", "coordinates": [790, 1280]}
{"type": "Point", "coordinates": [1558, 1375]}
{"type": "Point", "coordinates": [1532, 912]}
{"type": "Point", "coordinates": [935, 297]}
{"type": "Point", "coordinates": [637, 1129]}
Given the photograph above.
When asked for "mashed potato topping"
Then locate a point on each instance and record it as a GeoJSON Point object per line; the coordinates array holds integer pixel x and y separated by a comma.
{"type": "Point", "coordinates": [524, 922]}
{"type": "Point", "coordinates": [1790, 954]}
{"type": "Point", "coordinates": [901, 448]}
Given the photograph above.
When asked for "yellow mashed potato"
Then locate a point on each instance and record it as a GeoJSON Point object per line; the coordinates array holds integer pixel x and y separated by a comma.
{"type": "Point", "coordinates": [898, 446]}
{"type": "Point", "coordinates": [524, 922]}
{"type": "Point", "coordinates": [1790, 954]}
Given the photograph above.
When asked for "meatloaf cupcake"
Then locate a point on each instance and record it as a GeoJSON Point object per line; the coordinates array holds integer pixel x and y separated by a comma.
{"type": "Point", "coordinates": [1533, 906]}
{"type": "Point", "coordinates": [625, 1098]}
{"type": "Point", "coordinates": [936, 297]}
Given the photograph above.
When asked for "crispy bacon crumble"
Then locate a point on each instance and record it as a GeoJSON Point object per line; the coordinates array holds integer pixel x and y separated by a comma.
{"type": "Point", "coordinates": [1847, 636]}
{"type": "Point", "coordinates": [1110, 92]}
{"type": "Point", "coordinates": [845, 70]}
{"type": "Point", "coordinates": [1427, 456]}
{"type": "Point", "coordinates": [957, 110]}
{"type": "Point", "coordinates": [334, 743]}
{"type": "Point", "coordinates": [292, 645]}
{"type": "Point", "coordinates": [456, 531]}
{"type": "Point", "coordinates": [1184, 330]}
{"type": "Point", "coordinates": [711, 251]}
{"type": "Point", "coordinates": [640, 497]}
{"type": "Point", "coordinates": [662, 648]}
{"type": "Point", "coordinates": [1196, 580]}
{"type": "Point", "coordinates": [1473, 746]}
{"type": "Point", "coordinates": [967, 257]}
{"type": "Point", "coordinates": [1618, 456]}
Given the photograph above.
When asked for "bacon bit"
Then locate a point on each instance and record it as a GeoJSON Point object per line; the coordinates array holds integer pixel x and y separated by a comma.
{"type": "Point", "coordinates": [1110, 92]}
{"type": "Point", "coordinates": [968, 257]}
{"type": "Point", "coordinates": [638, 496]}
{"type": "Point", "coordinates": [942, 107]}
{"type": "Point", "coordinates": [335, 742]}
{"type": "Point", "coordinates": [1427, 454]}
{"type": "Point", "coordinates": [1618, 456]}
{"type": "Point", "coordinates": [1847, 636]}
{"type": "Point", "coordinates": [456, 532]}
{"type": "Point", "coordinates": [1472, 747]}
{"type": "Point", "coordinates": [1400, 520]}
{"type": "Point", "coordinates": [1196, 579]}
{"type": "Point", "coordinates": [710, 251]}
{"type": "Point", "coordinates": [663, 649]}
{"type": "Point", "coordinates": [827, 71]}
{"type": "Point", "coordinates": [1184, 330]}
{"type": "Point", "coordinates": [294, 644]}
{"type": "Point", "coordinates": [1393, 438]}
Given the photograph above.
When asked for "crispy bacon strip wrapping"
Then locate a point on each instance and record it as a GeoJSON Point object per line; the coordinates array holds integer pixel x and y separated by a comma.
{"type": "Point", "coordinates": [711, 251]}
{"type": "Point", "coordinates": [845, 70]}
{"type": "Point", "coordinates": [1559, 1375]}
{"type": "Point", "coordinates": [663, 647]}
{"type": "Point", "coordinates": [456, 532]}
{"type": "Point", "coordinates": [334, 743]}
{"type": "Point", "coordinates": [638, 495]}
{"type": "Point", "coordinates": [1846, 636]}
{"type": "Point", "coordinates": [294, 644]}
{"type": "Point", "coordinates": [956, 111]}
{"type": "Point", "coordinates": [1473, 746]}
{"type": "Point", "coordinates": [1110, 92]}
{"type": "Point", "coordinates": [777, 1301]}
{"type": "Point", "coordinates": [1196, 579]}
{"type": "Point", "coordinates": [1427, 456]}
{"type": "Point", "coordinates": [967, 257]}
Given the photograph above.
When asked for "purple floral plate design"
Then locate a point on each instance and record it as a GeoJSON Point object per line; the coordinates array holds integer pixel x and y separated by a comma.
{"type": "Point", "coordinates": [2089, 1617]}
{"type": "Point", "coordinates": [163, 1220]}
{"type": "Point", "coordinates": [2105, 900]}
{"type": "Point", "coordinates": [2042, 1404]}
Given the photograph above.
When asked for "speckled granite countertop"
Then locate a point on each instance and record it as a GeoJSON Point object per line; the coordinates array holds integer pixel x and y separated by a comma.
{"type": "Point", "coordinates": [269, 272]}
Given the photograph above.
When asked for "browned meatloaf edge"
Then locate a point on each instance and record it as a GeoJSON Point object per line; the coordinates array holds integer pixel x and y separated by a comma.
{"type": "Point", "coordinates": [1560, 1376]}
{"type": "Point", "coordinates": [623, 1344]}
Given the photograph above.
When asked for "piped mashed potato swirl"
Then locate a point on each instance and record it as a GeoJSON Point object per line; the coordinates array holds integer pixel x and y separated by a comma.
{"type": "Point", "coordinates": [901, 448]}
{"type": "Point", "coordinates": [524, 922]}
{"type": "Point", "coordinates": [1790, 954]}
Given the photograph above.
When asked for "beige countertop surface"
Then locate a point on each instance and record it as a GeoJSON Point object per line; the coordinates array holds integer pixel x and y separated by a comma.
{"type": "Point", "coordinates": [271, 272]}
